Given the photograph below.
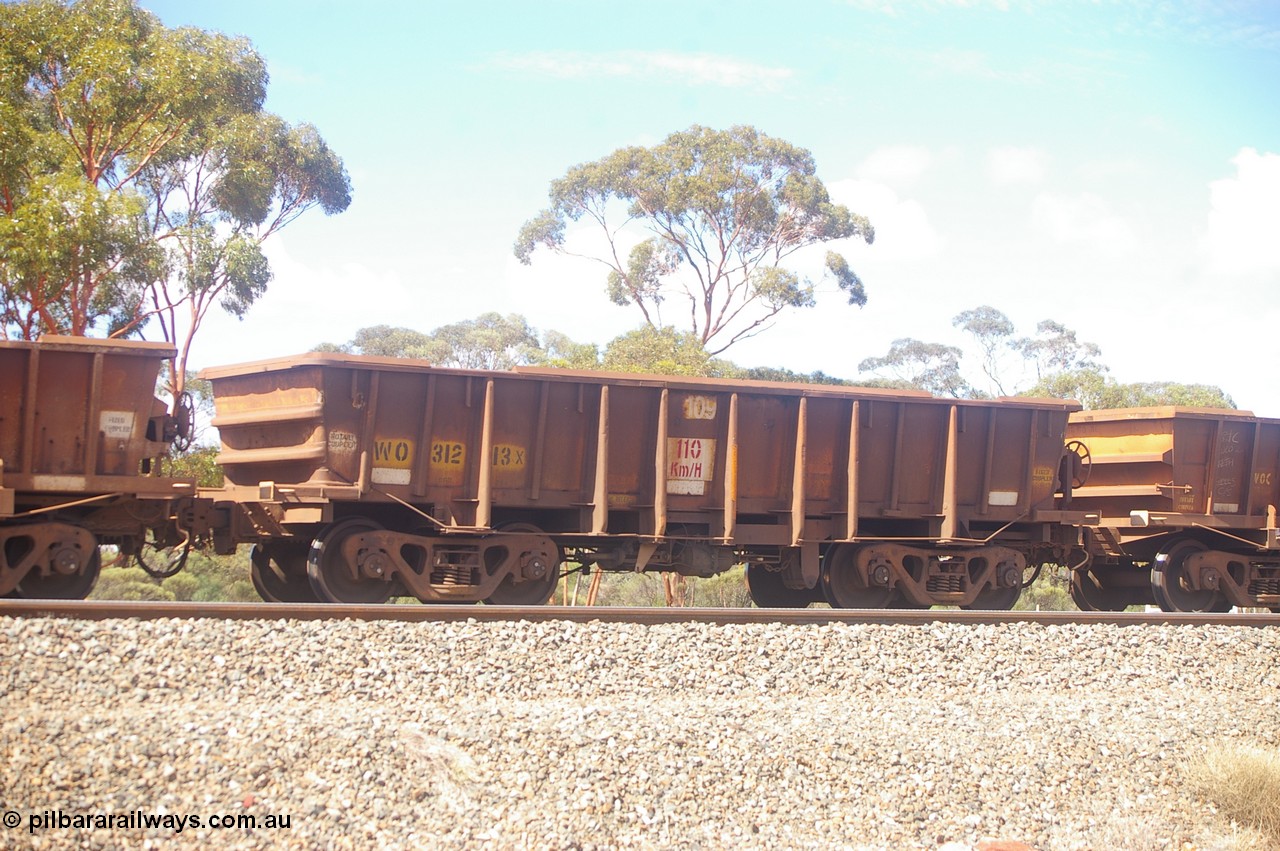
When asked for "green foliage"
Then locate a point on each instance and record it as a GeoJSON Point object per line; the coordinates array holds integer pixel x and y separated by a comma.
{"type": "Point", "coordinates": [60, 233]}
{"type": "Point", "coordinates": [726, 590]}
{"type": "Point", "coordinates": [100, 92]}
{"type": "Point", "coordinates": [560, 351]}
{"type": "Point", "coordinates": [220, 578]}
{"type": "Point", "coordinates": [770, 373]}
{"type": "Point", "coordinates": [664, 351]}
{"type": "Point", "coordinates": [183, 586]}
{"type": "Point", "coordinates": [1151, 393]}
{"type": "Point", "coordinates": [846, 278]}
{"type": "Point", "coordinates": [139, 174]}
{"type": "Point", "coordinates": [1051, 592]}
{"type": "Point", "coordinates": [721, 210]}
{"type": "Point", "coordinates": [924, 366]}
{"type": "Point", "coordinates": [1097, 391]}
{"type": "Point", "coordinates": [129, 583]}
{"type": "Point", "coordinates": [992, 329]}
{"type": "Point", "coordinates": [198, 462]}
{"type": "Point", "coordinates": [207, 578]}
{"type": "Point", "coordinates": [1055, 349]}
{"type": "Point", "coordinates": [490, 341]}
{"type": "Point", "coordinates": [386, 342]}
{"type": "Point", "coordinates": [623, 589]}
{"type": "Point", "coordinates": [1065, 367]}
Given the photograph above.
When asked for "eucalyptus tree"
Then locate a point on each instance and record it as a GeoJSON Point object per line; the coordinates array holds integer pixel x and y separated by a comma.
{"type": "Point", "coordinates": [212, 210]}
{"type": "Point", "coordinates": [992, 331]}
{"type": "Point", "coordinates": [1055, 349]}
{"type": "Point", "coordinates": [915, 364]}
{"type": "Point", "coordinates": [139, 173]}
{"type": "Point", "coordinates": [704, 221]}
{"type": "Point", "coordinates": [664, 351]}
{"type": "Point", "coordinates": [490, 341]}
{"type": "Point", "coordinates": [1094, 389]}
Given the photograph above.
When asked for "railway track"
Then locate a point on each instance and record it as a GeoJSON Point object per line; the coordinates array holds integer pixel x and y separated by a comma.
{"type": "Point", "coordinates": [120, 609]}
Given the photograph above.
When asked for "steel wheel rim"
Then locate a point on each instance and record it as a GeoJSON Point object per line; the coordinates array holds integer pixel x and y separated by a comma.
{"type": "Point", "coordinates": [996, 599]}
{"type": "Point", "coordinates": [328, 574]}
{"type": "Point", "coordinates": [1168, 575]}
{"type": "Point", "coordinates": [75, 586]}
{"type": "Point", "coordinates": [279, 574]}
{"type": "Point", "coordinates": [1091, 597]}
{"type": "Point", "coordinates": [842, 586]}
{"type": "Point", "coordinates": [530, 593]}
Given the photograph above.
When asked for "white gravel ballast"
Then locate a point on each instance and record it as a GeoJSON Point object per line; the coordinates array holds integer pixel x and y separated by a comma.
{"type": "Point", "coordinates": [341, 734]}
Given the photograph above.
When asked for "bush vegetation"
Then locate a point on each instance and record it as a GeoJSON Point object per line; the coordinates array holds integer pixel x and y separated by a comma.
{"type": "Point", "coordinates": [207, 578]}
{"type": "Point", "coordinates": [1243, 782]}
{"type": "Point", "coordinates": [212, 578]}
{"type": "Point", "coordinates": [1050, 592]}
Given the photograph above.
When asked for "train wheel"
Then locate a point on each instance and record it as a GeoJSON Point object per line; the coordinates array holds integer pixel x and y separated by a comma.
{"type": "Point", "coordinates": [57, 586]}
{"type": "Point", "coordinates": [843, 586]}
{"type": "Point", "coordinates": [1089, 596]}
{"type": "Point", "coordinates": [768, 591]}
{"type": "Point", "coordinates": [279, 573]}
{"type": "Point", "coordinates": [531, 592]}
{"type": "Point", "coordinates": [329, 573]}
{"type": "Point", "coordinates": [1169, 580]}
{"type": "Point", "coordinates": [995, 599]}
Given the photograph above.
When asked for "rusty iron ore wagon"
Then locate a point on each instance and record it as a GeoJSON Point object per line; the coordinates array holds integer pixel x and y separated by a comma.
{"type": "Point", "coordinates": [1183, 503]}
{"type": "Point", "coordinates": [359, 478]}
{"type": "Point", "coordinates": [81, 432]}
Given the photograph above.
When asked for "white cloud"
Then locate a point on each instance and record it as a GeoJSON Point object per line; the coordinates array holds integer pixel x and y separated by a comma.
{"type": "Point", "coordinates": [903, 229]}
{"type": "Point", "coordinates": [303, 306]}
{"type": "Point", "coordinates": [693, 69]}
{"type": "Point", "coordinates": [1083, 218]}
{"type": "Point", "coordinates": [1012, 165]}
{"type": "Point", "coordinates": [896, 165]}
{"type": "Point", "coordinates": [1243, 236]}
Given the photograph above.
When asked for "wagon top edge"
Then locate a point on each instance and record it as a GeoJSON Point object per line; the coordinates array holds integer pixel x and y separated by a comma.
{"type": "Point", "coordinates": [51, 342]}
{"type": "Point", "coordinates": [633, 379]}
{"type": "Point", "coordinates": [1163, 412]}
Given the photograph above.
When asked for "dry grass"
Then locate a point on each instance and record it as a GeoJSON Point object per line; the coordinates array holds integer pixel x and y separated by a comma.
{"type": "Point", "coordinates": [1243, 782]}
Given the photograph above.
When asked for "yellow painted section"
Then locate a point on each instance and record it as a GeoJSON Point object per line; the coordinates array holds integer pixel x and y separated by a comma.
{"type": "Point", "coordinates": [447, 461]}
{"type": "Point", "coordinates": [508, 456]}
{"type": "Point", "coordinates": [1128, 444]}
{"type": "Point", "coordinates": [393, 453]}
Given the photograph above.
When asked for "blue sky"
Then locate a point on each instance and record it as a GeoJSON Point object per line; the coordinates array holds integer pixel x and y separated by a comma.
{"type": "Point", "coordinates": [1114, 166]}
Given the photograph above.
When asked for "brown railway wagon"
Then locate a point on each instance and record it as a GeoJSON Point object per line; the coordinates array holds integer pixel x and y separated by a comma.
{"type": "Point", "coordinates": [80, 432]}
{"type": "Point", "coordinates": [1185, 505]}
{"type": "Point", "coordinates": [359, 478]}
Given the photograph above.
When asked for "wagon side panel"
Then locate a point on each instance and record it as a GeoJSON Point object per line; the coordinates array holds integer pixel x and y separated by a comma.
{"type": "Point", "coordinates": [272, 425]}
{"type": "Point", "coordinates": [81, 414]}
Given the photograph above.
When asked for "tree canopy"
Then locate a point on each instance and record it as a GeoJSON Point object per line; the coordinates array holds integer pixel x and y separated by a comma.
{"type": "Point", "coordinates": [139, 173]}
{"type": "Point", "coordinates": [1058, 363]}
{"type": "Point", "coordinates": [1064, 367]}
{"type": "Point", "coordinates": [493, 341]}
{"type": "Point", "coordinates": [490, 341]}
{"type": "Point", "coordinates": [720, 211]}
{"type": "Point", "coordinates": [915, 364]}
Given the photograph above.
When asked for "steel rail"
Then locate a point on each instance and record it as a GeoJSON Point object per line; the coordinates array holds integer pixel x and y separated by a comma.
{"type": "Point", "coordinates": [121, 609]}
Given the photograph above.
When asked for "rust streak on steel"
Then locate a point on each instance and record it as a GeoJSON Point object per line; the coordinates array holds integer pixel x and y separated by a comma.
{"type": "Point", "coordinates": [115, 609]}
